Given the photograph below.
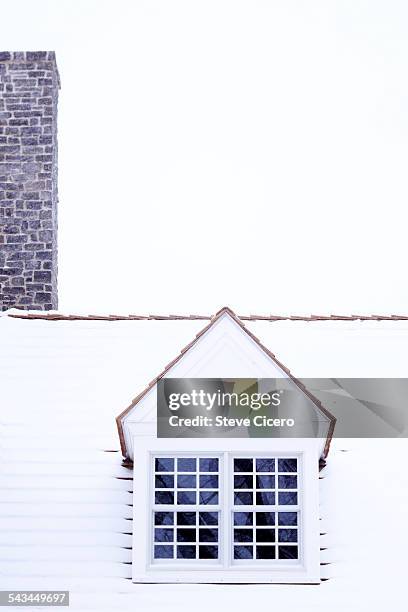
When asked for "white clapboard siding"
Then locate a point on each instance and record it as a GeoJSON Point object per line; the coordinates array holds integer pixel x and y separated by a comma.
{"type": "Point", "coordinates": [96, 593]}
{"type": "Point", "coordinates": [66, 496]}
{"type": "Point", "coordinates": [326, 557]}
{"type": "Point", "coordinates": [43, 537]}
{"type": "Point", "coordinates": [326, 572]}
{"type": "Point", "coordinates": [66, 455]}
{"type": "Point", "coordinates": [69, 554]}
{"type": "Point", "coordinates": [66, 569]}
{"type": "Point", "coordinates": [54, 441]}
{"type": "Point", "coordinates": [66, 524]}
{"type": "Point", "coordinates": [42, 468]}
{"type": "Point", "coordinates": [32, 509]}
{"type": "Point", "coordinates": [56, 481]}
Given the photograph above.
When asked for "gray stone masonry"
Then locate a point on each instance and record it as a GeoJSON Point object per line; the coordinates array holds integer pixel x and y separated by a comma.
{"type": "Point", "coordinates": [29, 84]}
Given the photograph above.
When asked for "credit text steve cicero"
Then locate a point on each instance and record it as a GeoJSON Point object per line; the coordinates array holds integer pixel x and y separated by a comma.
{"type": "Point", "coordinates": [207, 401]}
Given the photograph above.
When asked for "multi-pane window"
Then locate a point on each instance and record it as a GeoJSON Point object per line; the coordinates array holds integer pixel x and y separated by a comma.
{"type": "Point", "coordinates": [265, 508]}
{"type": "Point", "coordinates": [186, 508]}
{"type": "Point", "coordinates": [259, 509]}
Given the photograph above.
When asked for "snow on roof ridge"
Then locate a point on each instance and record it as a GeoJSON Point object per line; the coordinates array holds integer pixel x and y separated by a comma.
{"type": "Point", "coordinates": [54, 315]}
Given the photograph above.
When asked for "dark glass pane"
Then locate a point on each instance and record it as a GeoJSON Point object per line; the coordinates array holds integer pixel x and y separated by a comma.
{"type": "Point", "coordinates": [208, 497]}
{"type": "Point", "coordinates": [243, 499]}
{"type": "Point", "coordinates": [288, 535]}
{"type": "Point", "coordinates": [287, 518]}
{"type": "Point", "coordinates": [208, 481]}
{"type": "Point", "coordinates": [163, 535]}
{"type": "Point", "coordinates": [265, 482]}
{"type": "Point", "coordinates": [265, 518]}
{"type": "Point", "coordinates": [287, 465]}
{"type": "Point", "coordinates": [287, 499]}
{"type": "Point", "coordinates": [265, 552]}
{"type": "Point", "coordinates": [186, 535]}
{"type": "Point", "coordinates": [208, 518]}
{"type": "Point", "coordinates": [186, 552]}
{"type": "Point", "coordinates": [164, 497]}
{"type": "Point", "coordinates": [163, 552]}
{"type": "Point", "coordinates": [288, 482]}
{"type": "Point", "coordinates": [186, 464]}
{"type": "Point", "coordinates": [265, 465]}
{"type": "Point", "coordinates": [186, 518]}
{"type": "Point", "coordinates": [163, 518]}
{"type": "Point", "coordinates": [164, 464]}
{"type": "Point", "coordinates": [265, 535]}
{"type": "Point", "coordinates": [265, 499]}
{"type": "Point", "coordinates": [243, 535]}
{"type": "Point", "coordinates": [208, 464]}
{"type": "Point", "coordinates": [243, 465]}
{"type": "Point", "coordinates": [186, 497]}
{"type": "Point", "coordinates": [288, 552]}
{"type": "Point", "coordinates": [243, 482]}
{"type": "Point", "coordinates": [187, 481]}
{"type": "Point", "coordinates": [208, 552]}
{"type": "Point", "coordinates": [242, 518]}
{"type": "Point", "coordinates": [242, 552]}
{"type": "Point", "coordinates": [165, 481]}
{"type": "Point", "coordinates": [208, 535]}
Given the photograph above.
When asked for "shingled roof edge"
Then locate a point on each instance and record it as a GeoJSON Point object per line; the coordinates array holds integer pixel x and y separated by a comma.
{"type": "Point", "coordinates": [56, 316]}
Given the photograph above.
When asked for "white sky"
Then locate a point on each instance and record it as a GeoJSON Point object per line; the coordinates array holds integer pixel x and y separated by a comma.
{"type": "Point", "coordinates": [226, 152]}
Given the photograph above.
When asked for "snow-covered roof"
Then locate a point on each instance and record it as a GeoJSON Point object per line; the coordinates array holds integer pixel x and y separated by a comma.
{"type": "Point", "coordinates": [66, 498]}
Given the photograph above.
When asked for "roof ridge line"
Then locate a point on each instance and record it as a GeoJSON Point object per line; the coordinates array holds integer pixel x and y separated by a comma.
{"type": "Point", "coordinates": [56, 316]}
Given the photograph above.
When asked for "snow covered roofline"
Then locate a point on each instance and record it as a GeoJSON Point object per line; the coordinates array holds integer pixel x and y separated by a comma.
{"type": "Point", "coordinates": [313, 346]}
{"type": "Point", "coordinates": [58, 316]}
{"type": "Point", "coordinates": [225, 310]}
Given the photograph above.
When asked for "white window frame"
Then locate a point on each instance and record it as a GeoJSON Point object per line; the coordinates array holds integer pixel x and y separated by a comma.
{"type": "Point", "coordinates": [276, 508]}
{"type": "Point", "coordinates": [306, 569]}
{"type": "Point", "coordinates": [173, 564]}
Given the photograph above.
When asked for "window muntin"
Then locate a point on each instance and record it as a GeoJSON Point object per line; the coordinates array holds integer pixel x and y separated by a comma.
{"type": "Point", "coordinates": [186, 511]}
{"type": "Point", "coordinates": [265, 523]}
{"type": "Point", "coordinates": [263, 493]}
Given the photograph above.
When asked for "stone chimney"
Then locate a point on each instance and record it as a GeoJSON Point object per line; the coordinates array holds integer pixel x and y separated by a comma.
{"type": "Point", "coordinates": [29, 84]}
